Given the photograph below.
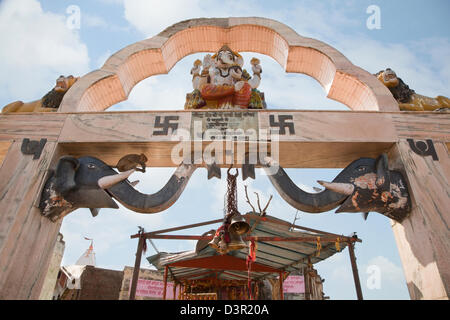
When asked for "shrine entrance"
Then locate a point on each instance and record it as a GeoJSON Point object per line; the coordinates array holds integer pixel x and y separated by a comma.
{"type": "Point", "coordinates": [396, 162]}
{"type": "Point", "coordinates": [279, 248]}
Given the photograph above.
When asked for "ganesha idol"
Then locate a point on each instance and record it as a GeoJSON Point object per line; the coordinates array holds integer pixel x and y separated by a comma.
{"type": "Point", "coordinates": [220, 83]}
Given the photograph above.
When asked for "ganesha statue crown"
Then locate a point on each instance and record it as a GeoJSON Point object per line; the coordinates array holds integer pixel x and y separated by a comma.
{"type": "Point", "coordinates": [219, 82]}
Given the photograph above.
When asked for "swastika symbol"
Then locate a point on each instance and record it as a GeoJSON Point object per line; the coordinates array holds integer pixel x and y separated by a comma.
{"type": "Point", "coordinates": [166, 125]}
{"type": "Point", "coordinates": [282, 124]}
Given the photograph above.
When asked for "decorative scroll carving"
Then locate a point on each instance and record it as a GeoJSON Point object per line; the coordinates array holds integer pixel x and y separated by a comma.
{"type": "Point", "coordinates": [423, 148]}
{"type": "Point", "coordinates": [33, 147]}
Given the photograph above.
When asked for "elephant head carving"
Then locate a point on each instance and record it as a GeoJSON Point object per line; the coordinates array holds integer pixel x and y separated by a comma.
{"type": "Point", "coordinates": [88, 182]}
{"type": "Point", "coordinates": [364, 185]}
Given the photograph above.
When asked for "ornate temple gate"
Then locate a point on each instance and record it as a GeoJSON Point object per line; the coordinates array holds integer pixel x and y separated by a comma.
{"type": "Point", "coordinates": [416, 143]}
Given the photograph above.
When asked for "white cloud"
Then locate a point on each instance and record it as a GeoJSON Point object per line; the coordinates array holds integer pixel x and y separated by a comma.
{"type": "Point", "coordinates": [337, 271]}
{"type": "Point", "coordinates": [154, 93]}
{"type": "Point", "coordinates": [36, 48]}
{"type": "Point", "coordinates": [102, 59]}
{"type": "Point", "coordinates": [340, 273]}
{"type": "Point", "coordinates": [339, 282]}
{"type": "Point", "coordinates": [91, 20]}
{"type": "Point", "coordinates": [110, 2]}
{"type": "Point", "coordinates": [391, 274]}
{"type": "Point", "coordinates": [419, 64]}
{"type": "Point", "coordinates": [317, 19]}
{"type": "Point", "coordinates": [111, 231]}
{"type": "Point", "coordinates": [151, 17]}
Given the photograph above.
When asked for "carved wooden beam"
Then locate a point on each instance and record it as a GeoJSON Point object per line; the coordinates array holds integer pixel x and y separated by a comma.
{"type": "Point", "coordinates": [309, 139]}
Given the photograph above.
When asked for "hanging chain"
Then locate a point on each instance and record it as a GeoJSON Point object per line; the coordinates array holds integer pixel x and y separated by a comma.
{"type": "Point", "coordinates": [231, 196]}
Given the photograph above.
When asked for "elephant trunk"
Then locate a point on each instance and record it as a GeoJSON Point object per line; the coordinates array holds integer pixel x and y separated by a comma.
{"type": "Point", "coordinates": [159, 201]}
{"type": "Point", "coordinates": [225, 60]}
{"type": "Point", "coordinates": [300, 199]}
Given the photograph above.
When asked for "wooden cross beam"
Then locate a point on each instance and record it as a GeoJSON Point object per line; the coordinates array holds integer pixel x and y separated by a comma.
{"type": "Point", "coordinates": [248, 238]}
{"type": "Point", "coordinates": [417, 144]}
{"type": "Point", "coordinates": [307, 139]}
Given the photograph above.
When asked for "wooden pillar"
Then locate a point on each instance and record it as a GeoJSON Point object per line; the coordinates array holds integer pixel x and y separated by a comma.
{"type": "Point", "coordinates": [281, 286]}
{"type": "Point", "coordinates": [165, 282]}
{"type": "Point", "coordinates": [174, 290]}
{"type": "Point", "coordinates": [137, 268]}
{"type": "Point", "coordinates": [27, 239]}
{"type": "Point", "coordinates": [355, 271]}
{"type": "Point", "coordinates": [4, 147]}
{"type": "Point", "coordinates": [308, 295]}
{"type": "Point", "coordinates": [423, 238]}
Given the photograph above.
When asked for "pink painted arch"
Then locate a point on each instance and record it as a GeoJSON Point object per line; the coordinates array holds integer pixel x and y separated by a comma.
{"type": "Point", "coordinates": [342, 81]}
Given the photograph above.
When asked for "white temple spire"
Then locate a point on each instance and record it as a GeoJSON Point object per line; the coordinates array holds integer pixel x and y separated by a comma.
{"type": "Point", "coordinates": [88, 258]}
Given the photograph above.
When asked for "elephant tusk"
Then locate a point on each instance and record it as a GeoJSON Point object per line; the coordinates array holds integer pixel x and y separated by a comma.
{"type": "Point", "coordinates": [342, 188]}
{"type": "Point", "coordinates": [109, 181]}
{"type": "Point", "coordinates": [269, 162]}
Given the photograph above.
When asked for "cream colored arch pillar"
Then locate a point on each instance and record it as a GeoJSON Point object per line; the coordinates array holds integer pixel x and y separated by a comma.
{"type": "Point", "coordinates": [342, 81]}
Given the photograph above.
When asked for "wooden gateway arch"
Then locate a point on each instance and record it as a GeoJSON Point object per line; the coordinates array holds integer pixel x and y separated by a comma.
{"type": "Point", "coordinates": [33, 144]}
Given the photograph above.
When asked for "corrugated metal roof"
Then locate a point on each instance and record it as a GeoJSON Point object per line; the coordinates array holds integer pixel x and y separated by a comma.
{"type": "Point", "coordinates": [281, 255]}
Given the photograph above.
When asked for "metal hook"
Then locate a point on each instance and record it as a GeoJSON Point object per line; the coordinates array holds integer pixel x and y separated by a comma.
{"type": "Point", "coordinates": [228, 171]}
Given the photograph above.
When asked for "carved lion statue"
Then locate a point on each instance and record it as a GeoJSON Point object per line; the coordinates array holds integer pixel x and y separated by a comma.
{"type": "Point", "coordinates": [48, 103]}
{"type": "Point", "coordinates": [408, 99]}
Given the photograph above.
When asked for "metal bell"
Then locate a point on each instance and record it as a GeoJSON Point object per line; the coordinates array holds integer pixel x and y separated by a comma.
{"type": "Point", "coordinates": [201, 244]}
{"type": "Point", "coordinates": [222, 247]}
{"type": "Point", "coordinates": [238, 225]}
{"type": "Point", "coordinates": [214, 243]}
{"type": "Point", "coordinates": [236, 242]}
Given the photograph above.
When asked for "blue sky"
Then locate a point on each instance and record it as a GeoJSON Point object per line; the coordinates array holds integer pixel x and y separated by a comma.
{"type": "Point", "coordinates": [413, 40]}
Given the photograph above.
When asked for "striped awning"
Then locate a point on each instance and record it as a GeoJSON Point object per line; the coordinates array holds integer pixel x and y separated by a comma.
{"type": "Point", "coordinates": [272, 257]}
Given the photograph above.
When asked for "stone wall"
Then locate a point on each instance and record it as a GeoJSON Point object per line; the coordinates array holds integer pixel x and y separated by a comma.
{"type": "Point", "coordinates": [100, 284]}
{"type": "Point", "coordinates": [143, 274]}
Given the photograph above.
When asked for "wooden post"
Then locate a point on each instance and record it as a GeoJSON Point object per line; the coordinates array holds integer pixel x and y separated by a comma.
{"type": "Point", "coordinates": [423, 238]}
{"type": "Point", "coordinates": [174, 290]}
{"type": "Point", "coordinates": [27, 239]}
{"type": "Point", "coordinates": [281, 286]}
{"type": "Point", "coordinates": [137, 267]}
{"type": "Point", "coordinates": [165, 282]}
{"type": "Point", "coordinates": [355, 271]}
{"type": "Point", "coordinates": [308, 293]}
